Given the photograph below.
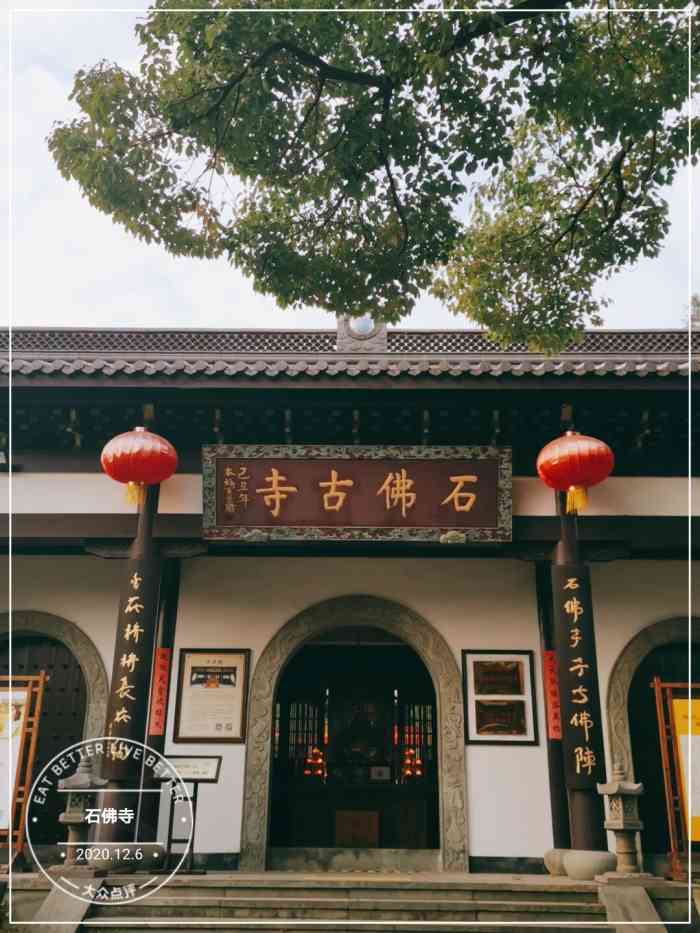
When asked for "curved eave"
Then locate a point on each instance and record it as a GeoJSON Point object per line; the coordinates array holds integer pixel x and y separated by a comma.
{"type": "Point", "coordinates": [78, 357]}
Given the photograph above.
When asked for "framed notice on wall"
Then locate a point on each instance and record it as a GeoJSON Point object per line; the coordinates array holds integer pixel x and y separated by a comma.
{"type": "Point", "coordinates": [499, 698]}
{"type": "Point", "coordinates": [686, 723]}
{"type": "Point", "coordinates": [212, 695]}
{"type": "Point", "coordinates": [14, 707]}
{"type": "Point", "coordinates": [678, 718]}
{"type": "Point", "coordinates": [20, 713]}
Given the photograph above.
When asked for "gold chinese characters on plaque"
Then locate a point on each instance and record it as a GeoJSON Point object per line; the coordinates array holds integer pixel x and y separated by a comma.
{"type": "Point", "coordinates": [357, 493]}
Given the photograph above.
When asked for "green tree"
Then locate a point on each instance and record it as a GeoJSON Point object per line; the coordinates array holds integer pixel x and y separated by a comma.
{"type": "Point", "coordinates": [350, 160]}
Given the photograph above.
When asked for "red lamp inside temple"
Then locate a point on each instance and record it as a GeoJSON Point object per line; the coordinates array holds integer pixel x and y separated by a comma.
{"type": "Point", "coordinates": [412, 765]}
{"type": "Point", "coordinates": [139, 458]}
{"type": "Point", "coordinates": [572, 463]}
{"type": "Point", "coordinates": [315, 764]}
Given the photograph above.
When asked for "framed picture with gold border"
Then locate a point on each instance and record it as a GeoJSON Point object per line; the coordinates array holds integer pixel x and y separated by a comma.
{"type": "Point", "coordinates": [499, 697]}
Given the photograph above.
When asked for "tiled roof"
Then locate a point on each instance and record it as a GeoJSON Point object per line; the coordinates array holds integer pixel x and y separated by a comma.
{"type": "Point", "coordinates": [256, 353]}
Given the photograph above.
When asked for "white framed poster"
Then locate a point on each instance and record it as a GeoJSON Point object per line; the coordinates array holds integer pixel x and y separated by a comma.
{"type": "Point", "coordinates": [686, 721]}
{"type": "Point", "coordinates": [200, 769]}
{"type": "Point", "coordinates": [212, 695]}
{"type": "Point", "coordinates": [499, 698]}
{"type": "Point", "coordinates": [14, 705]}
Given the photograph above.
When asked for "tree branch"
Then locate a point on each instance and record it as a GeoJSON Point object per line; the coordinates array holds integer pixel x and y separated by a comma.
{"type": "Point", "coordinates": [326, 71]}
{"type": "Point", "coordinates": [397, 203]}
{"type": "Point", "coordinates": [495, 22]}
{"type": "Point", "coordinates": [313, 106]}
{"type": "Point", "coordinates": [614, 169]}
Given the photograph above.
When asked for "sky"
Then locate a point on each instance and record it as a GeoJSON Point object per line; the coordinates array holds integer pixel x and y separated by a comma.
{"type": "Point", "coordinates": [72, 267]}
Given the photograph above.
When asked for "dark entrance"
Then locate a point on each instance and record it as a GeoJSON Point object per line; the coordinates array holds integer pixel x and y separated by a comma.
{"type": "Point", "coordinates": [670, 663]}
{"type": "Point", "coordinates": [63, 708]}
{"type": "Point", "coordinates": [355, 746]}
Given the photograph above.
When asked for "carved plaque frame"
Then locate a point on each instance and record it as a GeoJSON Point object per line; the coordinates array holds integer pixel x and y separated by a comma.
{"type": "Point", "coordinates": [500, 531]}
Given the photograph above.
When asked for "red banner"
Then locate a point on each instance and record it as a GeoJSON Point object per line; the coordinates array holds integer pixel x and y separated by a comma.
{"type": "Point", "coordinates": [159, 692]}
{"type": "Point", "coordinates": [551, 694]}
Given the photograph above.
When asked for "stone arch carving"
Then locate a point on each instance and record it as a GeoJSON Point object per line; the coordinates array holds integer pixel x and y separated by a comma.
{"type": "Point", "coordinates": [33, 622]}
{"type": "Point", "coordinates": [665, 632]}
{"type": "Point", "coordinates": [442, 666]}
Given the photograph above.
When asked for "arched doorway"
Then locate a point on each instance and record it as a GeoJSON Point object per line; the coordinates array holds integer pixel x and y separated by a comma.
{"type": "Point", "coordinates": [63, 708]}
{"type": "Point", "coordinates": [670, 663]}
{"type": "Point", "coordinates": [354, 749]}
{"type": "Point", "coordinates": [75, 695]}
{"type": "Point", "coordinates": [661, 648]}
{"type": "Point", "coordinates": [430, 647]}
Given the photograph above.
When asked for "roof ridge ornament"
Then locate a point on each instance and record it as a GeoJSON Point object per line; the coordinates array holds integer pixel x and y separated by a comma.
{"type": "Point", "coordinates": [360, 335]}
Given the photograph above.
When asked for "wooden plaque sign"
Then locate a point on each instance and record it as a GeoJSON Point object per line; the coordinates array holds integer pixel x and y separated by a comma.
{"type": "Point", "coordinates": [258, 493]}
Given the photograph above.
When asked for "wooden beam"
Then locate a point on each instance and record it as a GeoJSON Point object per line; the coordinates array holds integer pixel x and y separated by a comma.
{"type": "Point", "coordinates": [602, 538]}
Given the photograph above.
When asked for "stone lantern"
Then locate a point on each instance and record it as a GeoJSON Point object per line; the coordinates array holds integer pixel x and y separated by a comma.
{"type": "Point", "coordinates": [82, 788]}
{"type": "Point", "coordinates": [623, 820]}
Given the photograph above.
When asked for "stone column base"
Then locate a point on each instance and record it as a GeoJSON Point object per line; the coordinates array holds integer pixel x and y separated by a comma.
{"type": "Point", "coordinates": [587, 864]}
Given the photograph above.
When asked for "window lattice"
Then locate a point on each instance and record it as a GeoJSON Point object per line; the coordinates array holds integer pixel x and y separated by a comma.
{"type": "Point", "coordinates": [418, 729]}
{"type": "Point", "coordinates": [304, 730]}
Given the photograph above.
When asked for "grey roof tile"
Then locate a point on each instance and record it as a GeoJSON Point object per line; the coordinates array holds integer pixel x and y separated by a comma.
{"type": "Point", "coordinates": [293, 354]}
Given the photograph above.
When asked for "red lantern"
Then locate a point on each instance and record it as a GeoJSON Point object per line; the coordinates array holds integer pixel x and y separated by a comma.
{"type": "Point", "coordinates": [572, 463]}
{"type": "Point", "coordinates": [139, 458]}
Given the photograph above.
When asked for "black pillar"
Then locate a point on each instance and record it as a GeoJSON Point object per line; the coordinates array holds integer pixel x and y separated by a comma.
{"type": "Point", "coordinates": [127, 705]}
{"type": "Point", "coordinates": [584, 764]}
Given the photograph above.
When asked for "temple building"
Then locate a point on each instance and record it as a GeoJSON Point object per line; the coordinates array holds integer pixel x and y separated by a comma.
{"type": "Point", "coordinates": [379, 697]}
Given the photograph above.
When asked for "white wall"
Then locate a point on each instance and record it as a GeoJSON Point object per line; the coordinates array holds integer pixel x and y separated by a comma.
{"type": "Point", "coordinates": [84, 590]}
{"type": "Point", "coordinates": [628, 596]}
{"type": "Point", "coordinates": [242, 602]}
{"type": "Point", "coordinates": [78, 493]}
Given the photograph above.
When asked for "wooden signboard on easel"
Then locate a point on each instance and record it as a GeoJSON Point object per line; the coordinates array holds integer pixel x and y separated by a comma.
{"type": "Point", "coordinates": [678, 714]}
{"type": "Point", "coordinates": [20, 709]}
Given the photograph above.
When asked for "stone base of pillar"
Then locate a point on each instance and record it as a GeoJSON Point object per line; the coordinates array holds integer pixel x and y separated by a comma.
{"type": "Point", "coordinates": [587, 864]}
{"type": "Point", "coordinates": [554, 861]}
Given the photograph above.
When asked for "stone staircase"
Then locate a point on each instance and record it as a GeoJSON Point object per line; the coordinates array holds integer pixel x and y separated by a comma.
{"type": "Point", "coordinates": [370, 902]}
{"type": "Point", "coordinates": [397, 902]}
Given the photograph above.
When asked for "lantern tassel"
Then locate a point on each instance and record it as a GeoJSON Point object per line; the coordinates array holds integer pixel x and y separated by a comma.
{"type": "Point", "coordinates": [576, 499]}
{"type": "Point", "coordinates": [135, 493]}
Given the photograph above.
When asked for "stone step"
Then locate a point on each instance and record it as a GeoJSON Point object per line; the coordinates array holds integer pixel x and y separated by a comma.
{"type": "Point", "coordinates": [355, 908]}
{"type": "Point", "coordinates": [195, 925]}
{"type": "Point", "coordinates": [459, 887]}
{"type": "Point", "coordinates": [544, 897]}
